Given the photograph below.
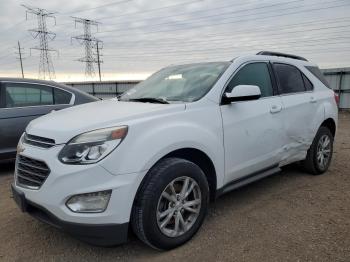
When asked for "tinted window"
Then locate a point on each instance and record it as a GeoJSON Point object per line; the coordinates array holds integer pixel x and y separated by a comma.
{"type": "Point", "coordinates": [308, 85]}
{"type": "Point", "coordinates": [317, 72]}
{"type": "Point", "coordinates": [21, 95]}
{"type": "Point", "coordinates": [62, 97]}
{"type": "Point", "coordinates": [253, 74]}
{"type": "Point", "coordinates": [289, 78]}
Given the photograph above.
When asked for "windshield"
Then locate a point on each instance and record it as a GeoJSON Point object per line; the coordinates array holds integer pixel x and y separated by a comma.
{"type": "Point", "coordinates": [185, 83]}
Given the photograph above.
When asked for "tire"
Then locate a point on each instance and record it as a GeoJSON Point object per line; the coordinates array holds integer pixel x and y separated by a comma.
{"type": "Point", "coordinates": [312, 162]}
{"type": "Point", "coordinates": [150, 203]}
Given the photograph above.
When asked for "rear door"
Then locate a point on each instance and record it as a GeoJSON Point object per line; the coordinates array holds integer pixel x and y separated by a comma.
{"type": "Point", "coordinates": [300, 109]}
{"type": "Point", "coordinates": [21, 103]}
{"type": "Point", "coordinates": [252, 129]}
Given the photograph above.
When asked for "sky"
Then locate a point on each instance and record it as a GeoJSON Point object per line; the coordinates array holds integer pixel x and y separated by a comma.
{"type": "Point", "coordinates": [142, 36]}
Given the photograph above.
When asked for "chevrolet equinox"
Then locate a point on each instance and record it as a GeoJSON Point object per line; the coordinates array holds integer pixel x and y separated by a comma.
{"type": "Point", "coordinates": [152, 159]}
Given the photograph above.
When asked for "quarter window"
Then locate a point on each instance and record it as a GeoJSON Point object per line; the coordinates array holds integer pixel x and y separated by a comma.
{"type": "Point", "coordinates": [317, 72]}
{"type": "Point", "coordinates": [253, 74]}
{"type": "Point", "coordinates": [290, 79]}
{"type": "Point", "coordinates": [61, 97]}
{"type": "Point", "coordinates": [308, 85]}
{"type": "Point", "coordinates": [22, 95]}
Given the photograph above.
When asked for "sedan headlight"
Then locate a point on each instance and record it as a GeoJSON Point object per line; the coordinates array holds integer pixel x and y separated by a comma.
{"type": "Point", "coordinates": [93, 146]}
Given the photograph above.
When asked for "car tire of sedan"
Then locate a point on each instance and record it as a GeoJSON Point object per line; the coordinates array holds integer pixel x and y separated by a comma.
{"type": "Point", "coordinates": [320, 153]}
{"type": "Point", "coordinates": [171, 204]}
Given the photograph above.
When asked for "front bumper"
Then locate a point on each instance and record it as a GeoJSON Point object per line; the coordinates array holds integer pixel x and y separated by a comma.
{"type": "Point", "coordinates": [100, 234]}
{"type": "Point", "coordinates": [48, 203]}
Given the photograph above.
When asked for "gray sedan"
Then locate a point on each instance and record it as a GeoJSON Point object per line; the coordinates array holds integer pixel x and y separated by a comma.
{"type": "Point", "coordinates": [22, 100]}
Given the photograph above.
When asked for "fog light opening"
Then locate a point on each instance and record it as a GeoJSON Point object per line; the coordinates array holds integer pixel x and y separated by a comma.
{"type": "Point", "coordinates": [95, 202]}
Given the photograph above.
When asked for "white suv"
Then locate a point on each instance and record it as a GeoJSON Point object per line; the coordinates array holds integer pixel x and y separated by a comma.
{"type": "Point", "coordinates": [152, 159]}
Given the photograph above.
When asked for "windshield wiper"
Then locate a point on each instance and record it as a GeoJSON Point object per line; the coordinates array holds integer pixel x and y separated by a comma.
{"type": "Point", "coordinates": [149, 100]}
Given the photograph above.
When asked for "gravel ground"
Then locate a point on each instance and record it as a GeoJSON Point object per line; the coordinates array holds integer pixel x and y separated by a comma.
{"type": "Point", "coordinates": [291, 216]}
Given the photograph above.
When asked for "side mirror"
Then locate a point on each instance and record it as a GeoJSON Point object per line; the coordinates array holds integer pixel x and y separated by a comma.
{"type": "Point", "coordinates": [242, 93]}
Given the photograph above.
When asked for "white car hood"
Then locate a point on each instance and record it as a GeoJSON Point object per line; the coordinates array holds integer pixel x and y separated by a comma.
{"type": "Point", "coordinates": [65, 124]}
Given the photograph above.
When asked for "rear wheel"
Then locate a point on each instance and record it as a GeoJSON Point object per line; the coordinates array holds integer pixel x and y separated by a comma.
{"type": "Point", "coordinates": [319, 155]}
{"type": "Point", "coordinates": [171, 204]}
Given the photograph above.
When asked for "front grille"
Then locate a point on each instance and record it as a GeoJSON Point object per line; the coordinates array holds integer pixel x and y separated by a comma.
{"type": "Point", "coordinates": [38, 141]}
{"type": "Point", "coordinates": [31, 173]}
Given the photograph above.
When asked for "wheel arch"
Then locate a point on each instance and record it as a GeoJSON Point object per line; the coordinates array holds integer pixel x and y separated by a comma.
{"type": "Point", "coordinates": [202, 160]}
{"type": "Point", "coordinates": [196, 156]}
{"type": "Point", "coordinates": [330, 124]}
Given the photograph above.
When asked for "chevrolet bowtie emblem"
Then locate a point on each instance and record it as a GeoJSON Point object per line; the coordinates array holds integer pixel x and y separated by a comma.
{"type": "Point", "coordinates": [20, 148]}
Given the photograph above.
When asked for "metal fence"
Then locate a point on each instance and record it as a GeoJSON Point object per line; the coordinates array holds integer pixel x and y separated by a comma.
{"type": "Point", "coordinates": [338, 78]}
{"type": "Point", "coordinates": [105, 89]}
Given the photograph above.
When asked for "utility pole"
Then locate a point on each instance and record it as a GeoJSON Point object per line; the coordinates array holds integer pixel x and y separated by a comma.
{"type": "Point", "coordinates": [46, 69]}
{"type": "Point", "coordinates": [98, 60]}
{"type": "Point", "coordinates": [20, 57]}
{"type": "Point", "coordinates": [89, 42]}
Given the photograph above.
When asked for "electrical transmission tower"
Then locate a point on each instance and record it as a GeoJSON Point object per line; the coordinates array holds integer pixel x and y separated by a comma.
{"type": "Point", "coordinates": [20, 56]}
{"type": "Point", "coordinates": [90, 44]}
{"type": "Point", "coordinates": [46, 69]}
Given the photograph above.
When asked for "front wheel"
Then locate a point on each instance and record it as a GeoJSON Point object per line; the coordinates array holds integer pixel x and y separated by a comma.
{"type": "Point", "coordinates": [319, 155]}
{"type": "Point", "coordinates": [171, 204]}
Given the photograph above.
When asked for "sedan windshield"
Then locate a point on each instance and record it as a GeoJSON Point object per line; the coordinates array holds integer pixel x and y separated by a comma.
{"type": "Point", "coordinates": [185, 83]}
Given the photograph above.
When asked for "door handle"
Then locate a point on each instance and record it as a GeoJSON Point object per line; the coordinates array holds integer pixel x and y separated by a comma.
{"type": "Point", "coordinates": [312, 100]}
{"type": "Point", "coordinates": [275, 109]}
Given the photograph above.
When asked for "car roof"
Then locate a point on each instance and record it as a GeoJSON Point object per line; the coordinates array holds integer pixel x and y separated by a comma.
{"type": "Point", "coordinates": [50, 83]}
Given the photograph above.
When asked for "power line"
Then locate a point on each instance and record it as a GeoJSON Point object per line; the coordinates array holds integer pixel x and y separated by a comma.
{"type": "Point", "coordinates": [97, 7]}
{"type": "Point", "coordinates": [213, 51]}
{"type": "Point", "coordinates": [46, 69]}
{"type": "Point", "coordinates": [219, 16]}
{"type": "Point", "coordinates": [141, 12]}
{"type": "Point", "coordinates": [230, 22]}
{"type": "Point", "coordinates": [9, 47]}
{"type": "Point", "coordinates": [206, 16]}
{"type": "Point", "coordinates": [182, 4]}
{"type": "Point", "coordinates": [219, 37]}
{"type": "Point", "coordinates": [13, 26]}
{"type": "Point", "coordinates": [230, 41]}
{"type": "Point", "coordinates": [89, 42]}
{"type": "Point", "coordinates": [234, 38]}
{"type": "Point", "coordinates": [235, 5]}
{"type": "Point", "coordinates": [217, 48]}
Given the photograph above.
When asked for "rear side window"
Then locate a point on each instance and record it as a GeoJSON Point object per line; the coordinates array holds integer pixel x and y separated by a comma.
{"type": "Point", "coordinates": [317, 72]}
{"type": "Point", "coordinates": [290, 79]}
{"type": "Point", "coordinates": [22, 95]}
{"type": "Point", "coordinates": [253, 74]}
{"type": "Point", "coordinates": [62, 97]}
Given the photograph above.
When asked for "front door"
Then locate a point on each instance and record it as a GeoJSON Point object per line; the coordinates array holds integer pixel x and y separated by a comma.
{"type": "Point", "coordinates": [252, 129]}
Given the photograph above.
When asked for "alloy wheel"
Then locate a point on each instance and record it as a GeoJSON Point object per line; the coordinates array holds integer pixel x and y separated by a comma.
{"type": "Point", "coordinates": [323, 151]}
{"type": "Point", "coordinates": [179, 206]}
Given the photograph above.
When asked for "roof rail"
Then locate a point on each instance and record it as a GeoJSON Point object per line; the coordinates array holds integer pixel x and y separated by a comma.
{"type": "Point", "coordinates": [281, 54]}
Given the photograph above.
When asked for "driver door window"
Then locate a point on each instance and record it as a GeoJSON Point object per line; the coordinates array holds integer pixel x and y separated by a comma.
{"type": "Point", "coordinates": [253, 74]}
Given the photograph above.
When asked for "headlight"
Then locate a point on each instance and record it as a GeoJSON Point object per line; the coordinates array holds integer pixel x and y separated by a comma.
{"type": "Point", "coordinates": [91, 147]}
